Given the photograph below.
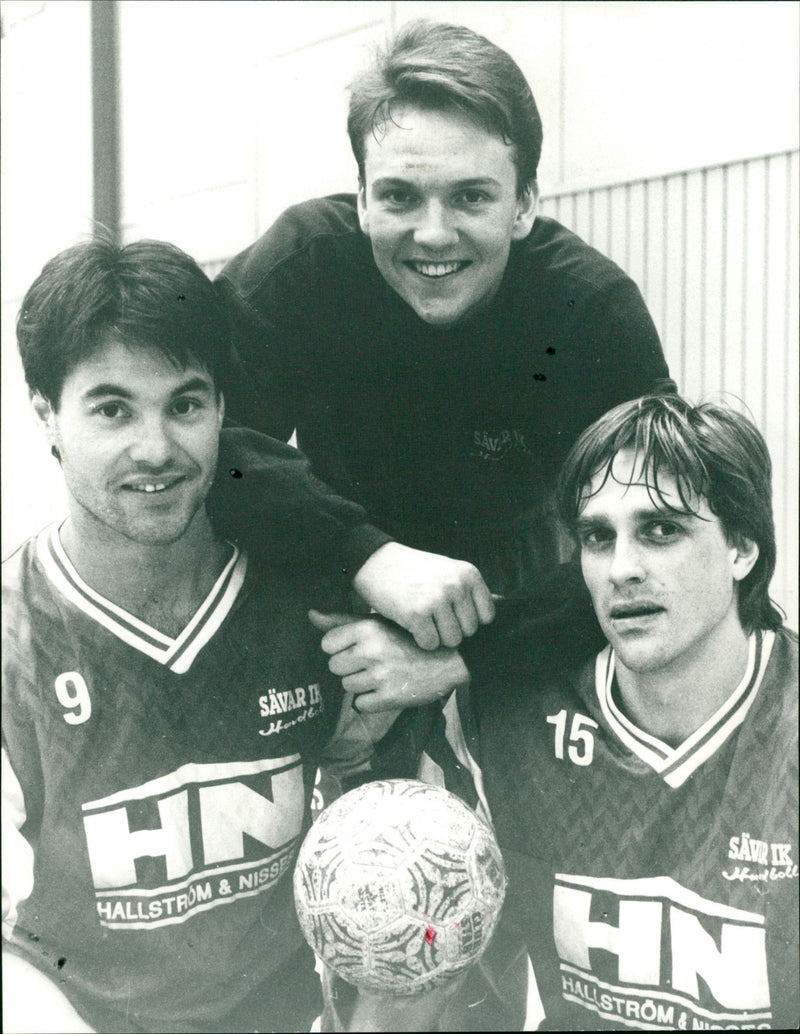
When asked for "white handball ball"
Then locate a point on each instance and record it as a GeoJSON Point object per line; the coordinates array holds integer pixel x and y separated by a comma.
{"type": "Point", "coordinates": [399, 886]}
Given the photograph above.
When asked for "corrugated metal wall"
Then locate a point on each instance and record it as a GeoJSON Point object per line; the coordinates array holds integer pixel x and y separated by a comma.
{"type": "Point", "coordinates": [715, 253]}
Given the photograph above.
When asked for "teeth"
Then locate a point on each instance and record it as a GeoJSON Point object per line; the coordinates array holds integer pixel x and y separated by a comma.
{"type": "Point", "coordinates": [436, 268]}
{"type": "Point", "coordinates": [157, 487]}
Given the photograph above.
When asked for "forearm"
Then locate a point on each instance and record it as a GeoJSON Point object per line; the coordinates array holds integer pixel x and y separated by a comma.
{"type": "Point", "coordinates": [33, 1003]}
{"type": "Point", "coordinates": [438, 599]}
{"type": "Point", "coordinates": [383, 666]}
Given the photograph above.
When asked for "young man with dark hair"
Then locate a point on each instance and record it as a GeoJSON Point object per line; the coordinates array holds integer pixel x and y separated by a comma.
{"type": "Point", "coordinates": [645, 800]}
{"type": "Point", "coordinates": [165, 701]}
{"type": "Point", "coordinates": [436, 345]}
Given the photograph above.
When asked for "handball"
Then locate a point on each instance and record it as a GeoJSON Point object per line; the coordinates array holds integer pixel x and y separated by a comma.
{"type": "Point", "coordinates": [399, 886]}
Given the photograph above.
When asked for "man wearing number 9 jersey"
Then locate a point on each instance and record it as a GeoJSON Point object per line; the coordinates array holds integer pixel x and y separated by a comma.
{"type": "Point", "coordinates": [165, 701]}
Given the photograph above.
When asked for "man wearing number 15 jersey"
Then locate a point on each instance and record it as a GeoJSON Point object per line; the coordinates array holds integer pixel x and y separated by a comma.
{"type": "Point", "coordinates": [645, 799]}
{"type": "Point", "coordinates": [646, 802]}
{"type": "Point", "coordinates": [165, 701]}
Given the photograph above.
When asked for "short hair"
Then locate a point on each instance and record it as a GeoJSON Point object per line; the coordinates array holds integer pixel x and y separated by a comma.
{"type": "Point", "coordinates": [441, 67]}
{"type": "Point", "coordinates": [711, 451]}
{"type": "Point", "coordinates": [148, 294]}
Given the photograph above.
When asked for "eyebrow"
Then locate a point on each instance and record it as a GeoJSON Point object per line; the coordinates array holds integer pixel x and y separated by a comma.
{"type": "Point", "coordinates": [108, 388]}
{"type": "Point", "coordinates": [585, 523]}
{"type": "Point", "coordinates": [640, 516]}
{"type": "Point", "coordinates": [393, 181]}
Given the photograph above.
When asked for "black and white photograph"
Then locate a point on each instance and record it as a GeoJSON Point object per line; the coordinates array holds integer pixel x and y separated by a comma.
{"type": "Point", "coordinates": [400, 463]}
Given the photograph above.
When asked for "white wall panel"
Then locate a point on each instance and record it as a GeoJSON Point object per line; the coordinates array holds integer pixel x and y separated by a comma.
{"type": "Point", "coordinates": [653, 282]}
{"type": "Point", "coordinates": [711, 342]}
{"type": "Point", "coordinates": [661, 86]}
{"type": "Point", "coordinates": [46, 138]}
{"type": "Point", "coordinates": [674, 281]}
{"type": "Point", "coordinates": [186, 125]}
{"type": "Point", "coordinates": [248, 119]}
{"type": "Point", "coordinates": [734, 278]}
{"type": "Point", "coordinates": [282, 27]}
{"type": "Point", "coordinates": [298, 158]}
{"type": "Point", "coordinates": [693, 279]}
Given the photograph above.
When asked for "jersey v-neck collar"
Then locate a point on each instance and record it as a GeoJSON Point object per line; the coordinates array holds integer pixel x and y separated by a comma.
{"type": "Point", "coordinates": [676, 764]}
{"type": "Point", "coordinates": [177, 653]}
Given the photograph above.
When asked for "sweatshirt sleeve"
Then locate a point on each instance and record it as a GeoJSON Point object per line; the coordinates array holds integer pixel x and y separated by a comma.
{"type": "Point", "coordinates": [256, 393]}
{"type": "Point", "coordinates": [265, 493]}
{"type": "Point", "coordinates": [266, 497]}
{"type": "Point", "coordinates": [606, 352]}
{"type": "Point", "coordinates": [628, 337]}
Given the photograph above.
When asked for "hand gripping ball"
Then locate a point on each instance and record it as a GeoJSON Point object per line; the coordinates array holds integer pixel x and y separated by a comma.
{"type": "Point", "coordinates": [399, 886]}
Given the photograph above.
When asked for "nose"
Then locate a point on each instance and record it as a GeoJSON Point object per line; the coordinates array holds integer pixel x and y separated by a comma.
{"type": "Point", "coordinates": [435, 228]}
{"type": "Point", "coordinates": [151, 442]}
{"type": "Point", "coordinates": [626, 562]}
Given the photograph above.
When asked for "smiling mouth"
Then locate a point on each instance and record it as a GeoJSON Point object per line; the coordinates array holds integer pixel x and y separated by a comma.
{"type": "Point", "coordinates": [436, 270]}
{"type": "Point", "coordinates": [151, 487]}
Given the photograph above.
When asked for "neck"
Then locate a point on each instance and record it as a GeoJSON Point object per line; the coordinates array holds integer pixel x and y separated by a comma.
{"type": "Point", "coordinates": [163, 584]}
{"type": "Point", "coordinates": [674, 701]}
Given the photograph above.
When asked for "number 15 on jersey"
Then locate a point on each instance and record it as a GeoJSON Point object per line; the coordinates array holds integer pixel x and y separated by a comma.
{"type": "Point", "coordinates": [580, 743]}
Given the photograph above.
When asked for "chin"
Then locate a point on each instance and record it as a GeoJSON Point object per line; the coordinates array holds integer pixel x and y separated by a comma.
{"type": "Point", "coordinates": [438, 315]}
{"type": "Point", "coordinates": [642, 662]}
{"type": "Point", "coordinates": [435, 312]}
{"type": "Point", "coordinates": [161, 534]}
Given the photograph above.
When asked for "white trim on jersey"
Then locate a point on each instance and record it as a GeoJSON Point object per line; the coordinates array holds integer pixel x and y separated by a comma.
{"type": "Point", "coordinates": [454, 732]}
{"type": "Point", "coordinates": [430, 771]}
{"type": "Point", "coordinates": [176, 654]}
{"type": "Point", "coordinates": [675, 765]}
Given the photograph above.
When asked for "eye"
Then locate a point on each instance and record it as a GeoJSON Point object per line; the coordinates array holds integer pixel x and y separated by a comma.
{"type": "Point", "coordinates": [595, 538]}
{"type": "Point", "coordinates": [472, 198]}
{"type": "Point", "coordinates": [110, 410]}
{"type": "Point", "coordinates": [186, 405]}
{"type": "Point", "coordinates": [397, 197]}
{"type": "Point", "coordinates": [663, 531]}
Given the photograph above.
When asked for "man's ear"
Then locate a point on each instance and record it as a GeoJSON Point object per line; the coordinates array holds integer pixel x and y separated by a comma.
{"type": "Point", "coordinates": [45, 417]}
{"type": "Point", "coordinates": [745, 557]}
{"type": "Point", "coordinates": [361, 201]}
{"type": "Point", "coordinates": [44, 413]}
{"type": "Point", "coordinates": [527, 203]}
{"type": "Point", "coordinates": [220, 410]}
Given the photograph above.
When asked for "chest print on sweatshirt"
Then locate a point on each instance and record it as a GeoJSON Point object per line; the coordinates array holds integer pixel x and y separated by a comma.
{"type": "Point", "coordinates": [494, 444]}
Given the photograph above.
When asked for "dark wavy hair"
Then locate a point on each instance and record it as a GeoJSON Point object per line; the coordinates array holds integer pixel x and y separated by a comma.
{"type": "Point", "coordinates": [148, 294]}
{"type": "Point", "coordinates": [711, 451]}
{"type": "Point", "coordinates": [440, 67]}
